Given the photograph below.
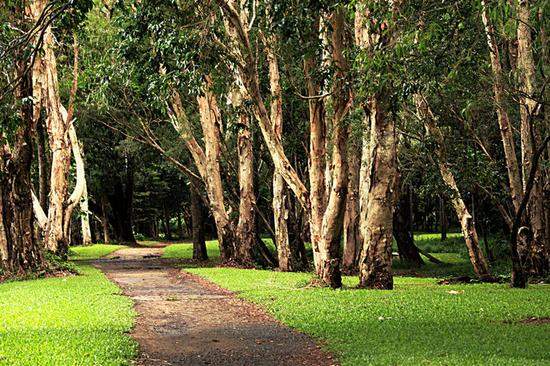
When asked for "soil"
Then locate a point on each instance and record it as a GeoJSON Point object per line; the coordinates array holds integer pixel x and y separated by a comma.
{"type": "Point", "coordinates": [186, 320]}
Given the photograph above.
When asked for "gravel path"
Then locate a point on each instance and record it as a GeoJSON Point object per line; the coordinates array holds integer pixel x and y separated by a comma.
{"type": "Point", "coordinates": [185, 320]}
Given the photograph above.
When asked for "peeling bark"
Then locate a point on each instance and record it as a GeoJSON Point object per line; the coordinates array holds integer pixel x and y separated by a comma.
{"type": "Point", "coordinates": [287, 257]}
{"type": "Point", "coordinates": [379, 182]}
{"type": "Point", "coordinates": [376, 255]}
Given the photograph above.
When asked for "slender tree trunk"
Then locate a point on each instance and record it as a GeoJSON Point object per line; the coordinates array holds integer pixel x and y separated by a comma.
{"type": "Point", "coordinates": [43, 166]}
{"type": "Point", "coordinates": [464, 217]}
{"type": "Point", "coordinates": [539, 252]}
{"type": "Point", "coordinates": [506, 128]}
{"type": "Point", "coordinates": [105, 220]}
{"type": "Point", "coordinates": [329, 257]}
{"type": "Point", "coordinates": [85, 218]}
{"type": "Point", "coordinates": [207, 160]}
{"type": "Point", "coordinates": [246, 227]}
{"type": "Point", "coordinates": [197, 220]}
{"type": "Point", "coordinates": [167, 226]}
{"type": "Point", "coordinates": [352, 237]}
{"type": "Point", "coordinates": [402, 230]}
{"type": "Point", "coordinates": [317, 156]}
{"type": "Point", "coordinates": [442, 218]}
{"type": "Point", "coordinates": [181, 231]}
{"type": "Point", "coordinates": [326, 238]}
{"type": "Point", "coordinates": [247, 68]}
{"type": "Point", "coordinates": [210, 121]}
{"type": "Point", "coordinates": [286, 257]}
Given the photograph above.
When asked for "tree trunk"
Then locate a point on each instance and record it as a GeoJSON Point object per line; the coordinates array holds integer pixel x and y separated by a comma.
{"type": "Point", "coordinates": [376, 256]}
{"type": "Point", "coordinates": [207, 160]}
{"type": "Point", "coordinates": [46, 91]}
{"type": "Point", "coordinates": [442, 218]}
{"type": "Point", "coordinates": [85, 218]}
{"type": "Point", "coordinates": [19, 248]}
{"type": "Point", "coordinates": [288, 259]}
{"type": "Point", "coordinates": [539, 254]}
{"type": "Point", "coordinates": [210, 121]}
{"type": "Point", "coordinates": [248, 71]}
{"type": "Point", "coordinates": [317, 156]}
{"type": "Point", "coordinates": [122, 206]}
{"type": "Point", "coordinates": [331, 229]}
{"type": "Point", "coordinates": [43, 166]}
{"type": "Point", "coordinates": [167, 226]}
{"type": "Point", "coordinates": [464, 217]}
{"type": "Point", "coordinates": [105, 220]}
{"type": "Point", "coordinates": [380, 180]}
{"type": "Point", "coordinates": [506, 128]}
{"type": "Point", "coordinates": [246, 226]}
{"type": "Point", "coordinates": [352, 237]}
{"type": "Point", "coordinates": [402, 231]}
{"type": "Point", "coordinates": [197, 220]}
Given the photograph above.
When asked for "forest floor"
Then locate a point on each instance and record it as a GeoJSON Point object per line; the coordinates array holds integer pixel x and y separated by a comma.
{"type": "Point", "coordinates": [185, 320]}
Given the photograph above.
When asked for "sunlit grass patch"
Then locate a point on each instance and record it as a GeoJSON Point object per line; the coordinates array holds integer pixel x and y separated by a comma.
{"type": "Point", "coordinates": [75, 320]}
{"type": "Point", "coordinates": [94, 251]}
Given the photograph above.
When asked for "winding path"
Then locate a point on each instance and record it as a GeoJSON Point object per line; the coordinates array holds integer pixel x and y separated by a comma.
{"type": "Point", "coordinates": [185, 320]}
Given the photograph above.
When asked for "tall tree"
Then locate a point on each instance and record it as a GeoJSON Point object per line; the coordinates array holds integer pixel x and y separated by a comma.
{"type": "Point", "coordinates": [377, 32]}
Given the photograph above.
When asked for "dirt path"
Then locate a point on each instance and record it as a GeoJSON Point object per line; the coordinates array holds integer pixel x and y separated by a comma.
{"type": "Point", "coordinates": [184, 320]}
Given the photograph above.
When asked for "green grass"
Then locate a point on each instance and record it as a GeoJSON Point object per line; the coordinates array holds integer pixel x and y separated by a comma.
{"type": "Point", "coordinates": [77, 320]}
{"type": "Point", "coordinates": [418, 323]}
{"type": "Point", "coordinates": [431, 242]}
{"type": "Point", "coordinates": [92, 251]}
{"type": "Point", "coordinates": [185, 250]}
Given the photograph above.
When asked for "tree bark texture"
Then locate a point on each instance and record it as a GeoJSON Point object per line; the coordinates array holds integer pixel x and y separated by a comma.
{"type": "Point", "coordinates": [19, 249]}
{"type": "Point", "coordinates": [352, 234]}
{"type": "Point", "coordinates": [376, 256]}
{"type": "Point", "coordinates": [46, 91]}
{"type": "Point", "coordinates": [197, 220]}
{"type": "Point", "coordinates": [287, 258]}
{"type": "Point", "coordinates": [379, 183]}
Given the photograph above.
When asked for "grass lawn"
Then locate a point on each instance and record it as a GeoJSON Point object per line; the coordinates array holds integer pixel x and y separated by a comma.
{"type": "Point", "coordinates": [92, 251]}
{"type": "Point", "coordinates": [76, 320]}
{"type": "Point", "coordinates": [419, 323]}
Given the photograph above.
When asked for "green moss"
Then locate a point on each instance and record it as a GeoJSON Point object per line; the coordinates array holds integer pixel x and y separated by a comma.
{"type": "Point", "coordinates": [93, 251]}
{"type": "Point", "coordinates": [76, 320]}
{"type": "Point", "coordinates": [418, 323]}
